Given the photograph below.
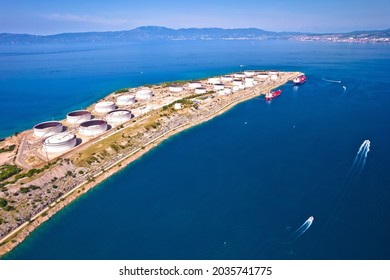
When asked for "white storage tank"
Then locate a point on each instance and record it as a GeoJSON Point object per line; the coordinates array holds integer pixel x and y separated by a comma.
{"type": "Point", "coordinates": [59, 143]}
{"type": "Point", "coordinates": [126, 99]}
{"type": "Point", "coordinates": [214, 81]}
{"type": "Point", "coordinates": [241, 86]}
{"type": "Point", "coordinates": [46, 129]}
{"type": "Point", "coordinates": [176, 88]}
{"type": "Point", "coordinates": [194, 84]}
{"type": "Point", "coordinates": [93, 127]}
{"type": "Point", "coordinates": [219, 86]}
{"type": "Point", "coordinates": [104, 106]}
{"type": "Point", "coordinates": [226, 78]}
{"type": "Point", "coordinates": [144, 94]}
{"type": "Point", "coordinates": [228, 90]}
{"type": "Point", "coordinates": [177, 106]}
{"type": "Point", "coordinates": [237, 82]}
{"type": "Point", "coordinates": [118, 117]}
{"type": "Point", "coordinates": [78, 116]}
{"type": "Point", "coordinates": [239, 75]}
{"type": "Point", "coordinates": [200, 90]}
{"type": "Point", "coordinates": [249, 73]}
{"type": "Point", "coordinates": [262, 76]}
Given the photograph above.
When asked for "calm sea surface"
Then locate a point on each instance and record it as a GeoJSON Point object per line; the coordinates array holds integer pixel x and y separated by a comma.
{"type": "Point", "coordinates": [237, 187]}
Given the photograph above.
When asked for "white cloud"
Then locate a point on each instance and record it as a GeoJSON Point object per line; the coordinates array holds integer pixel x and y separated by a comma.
{"type": "Point", "coordinates": [87, 19]}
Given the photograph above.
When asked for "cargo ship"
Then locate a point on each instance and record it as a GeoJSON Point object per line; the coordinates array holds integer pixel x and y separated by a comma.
{"type": "Point", "coordinates": [299, 80]}
{"type": "Point", "coordinates": [272, 95]}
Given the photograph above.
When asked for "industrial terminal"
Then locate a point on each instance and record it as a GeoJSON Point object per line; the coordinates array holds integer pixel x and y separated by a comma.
{"type": "Point", "coordinates": [51, 139]}
{"type": "Point", "coordinates": [58, 160]}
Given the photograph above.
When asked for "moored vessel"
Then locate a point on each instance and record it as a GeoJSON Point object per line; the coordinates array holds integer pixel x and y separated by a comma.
{"type": "Point", "coordinates": [272, 95]}
{"type": "Point", "coordinates": [299, 80]}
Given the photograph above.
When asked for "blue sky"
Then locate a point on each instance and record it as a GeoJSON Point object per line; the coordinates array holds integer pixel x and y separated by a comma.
{"type": "Point", "coordinates": [51, 17]}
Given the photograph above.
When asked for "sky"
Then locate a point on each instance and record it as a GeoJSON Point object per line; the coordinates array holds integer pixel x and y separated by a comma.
{"type": "Point", "coordinates": [43, 17]}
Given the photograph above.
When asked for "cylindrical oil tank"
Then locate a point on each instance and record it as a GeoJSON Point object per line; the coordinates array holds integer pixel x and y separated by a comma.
{"type": "Point", "coordinates": [78, 116]}
{"type": "Point", "coordinates": [249, 73]}
{"type": "Point", "coordinates": [235, 88]}
{"type": "Point", "coordinates": [219, 86]}
{"type": "Point", "coordinates": [228, 90]}
{"type": "Point", "coordinates": [194, 84]}
{"type": "Point", "coordinates": [214, 81]}
{"type": "Point", "coordinates": [249, 80]}
{"type": "Point", "coordinates": [118, 116]}
{"type": "Point", "coordinates": [273, 72]}
{"type": "Point", "coordinates": [262, 76]}
{"type": "Point", "coordinates": [200, 90]}
{"type": "Point", "coordinates": [176, 88]}
{"type": "Point", "coordinates": [126, 99]}
{"type": "Point", "coordinates": [239, 75]}
{"type": "Point", "coordinates": [93, 127]}
{"type": "Point", "coordinates": [237, 82]}
{"type": "Point", "coordinates": [104, 106]}
{"type": "Point", "coordinates": [59, 143]}
{"type": "Point", "coordinates": [46, 129]}
{"type": "Point", "coordinates": [144, 94]}
{"type": "Point", "coordinates": [226, 78]}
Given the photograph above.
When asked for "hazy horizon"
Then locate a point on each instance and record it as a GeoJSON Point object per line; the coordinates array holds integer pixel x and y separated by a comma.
{"type": "Point", "coordinates": [45, 17]}
{"type": "Point", "coordinates": [211, 27]}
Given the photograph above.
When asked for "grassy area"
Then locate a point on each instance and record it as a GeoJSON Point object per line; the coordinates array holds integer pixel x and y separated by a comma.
{"type": "Point", "coordinates": [122, 90]}
{"type": "Point", "coordinates": [13, 169]}
{"type": "Point", "coordinates": [7, 149]}
{"type": "Point", "coordinates": [8, 170]}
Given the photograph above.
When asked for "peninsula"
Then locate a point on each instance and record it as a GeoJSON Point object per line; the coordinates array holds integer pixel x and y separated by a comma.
{"type": "Point", "coordinates": [44, 169]}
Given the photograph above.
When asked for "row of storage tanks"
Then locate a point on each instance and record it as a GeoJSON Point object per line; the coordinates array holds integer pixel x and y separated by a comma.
{"type": "Point", "coordinates": [57, 141]}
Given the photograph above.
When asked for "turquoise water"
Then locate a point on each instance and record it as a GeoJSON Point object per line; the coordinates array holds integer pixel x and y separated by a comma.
{"type": "Point", "coordinates": [238, 186]}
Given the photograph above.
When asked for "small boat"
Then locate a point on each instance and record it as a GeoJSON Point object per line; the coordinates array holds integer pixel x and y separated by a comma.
{"type": "Point", "coordinates": [272, 95]}
{"type": "Point", "coordinates": [299, 80]}
{"type": "Point", "coordinates": [311, 219]}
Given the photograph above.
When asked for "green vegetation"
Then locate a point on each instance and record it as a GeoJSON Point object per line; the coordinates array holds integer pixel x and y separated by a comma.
{"type": "Point", "coordinates": [5, 205]}
{"type": "Point", "coordinates": [28, 174]}
{"type": "Point", "coordinates": [184, 101]}
{"type": "Point", "coordinates": [178, 82]}
{"type": "Point", "coordinates": [122, 90]}
{"type": "Point", "coordinates": [7, 170]}
{"type": "Point", "coordinates": [7, 149]}
{"type": "Point", "coordinates": [3, 202]}
{"type": "Point", "coordinates": [115, 147]}
{"type": "Point", "coordinates": [28, 189]}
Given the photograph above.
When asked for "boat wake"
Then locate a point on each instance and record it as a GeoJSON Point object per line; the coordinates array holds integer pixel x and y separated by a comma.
{"type": "Point", "coordinates": [360, 158]}
{"type": "Point", "coordinates": [331, 81]}
{"type": "Point", "coordinates": [302, 229]}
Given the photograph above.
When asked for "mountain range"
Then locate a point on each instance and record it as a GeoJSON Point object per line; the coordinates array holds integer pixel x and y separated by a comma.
{"type": "Point", "coordinates": [150, 33]}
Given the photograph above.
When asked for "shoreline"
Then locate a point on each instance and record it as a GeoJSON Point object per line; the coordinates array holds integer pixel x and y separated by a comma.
{"type": "Point", "coordinates": [18, 235]}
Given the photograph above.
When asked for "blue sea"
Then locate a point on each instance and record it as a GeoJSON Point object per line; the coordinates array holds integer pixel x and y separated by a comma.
{"type": "Point", "coordinates": [240, 186]}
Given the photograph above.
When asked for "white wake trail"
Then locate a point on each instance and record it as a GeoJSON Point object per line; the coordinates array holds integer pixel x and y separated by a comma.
{"type": "Point", "coordinates": [302, 229]}
{"type": "Point", "coordinates": [365, 153]}
{"type": "Point", "coordinates": [331, 81]}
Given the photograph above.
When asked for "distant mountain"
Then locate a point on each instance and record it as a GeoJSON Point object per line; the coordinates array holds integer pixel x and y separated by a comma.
{"type": "Point", "coordinates": [150, 33]}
